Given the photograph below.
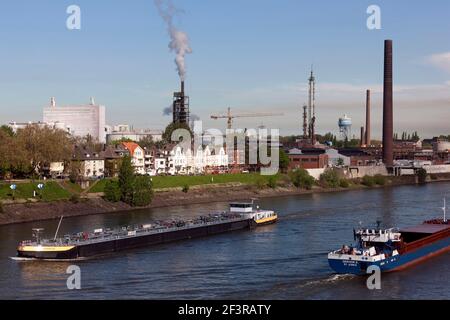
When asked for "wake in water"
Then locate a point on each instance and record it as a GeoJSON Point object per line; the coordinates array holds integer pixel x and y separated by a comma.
{"type": "Point", "coordinates": [334, 278]}
{"type": "Point", "coordinates": [45, 260]}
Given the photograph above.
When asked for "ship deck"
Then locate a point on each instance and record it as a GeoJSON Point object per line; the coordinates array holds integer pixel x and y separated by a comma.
{"type": "Point", "coordinates": [426, 228]}
{"type": "Point", "coordinates": [131, 232]}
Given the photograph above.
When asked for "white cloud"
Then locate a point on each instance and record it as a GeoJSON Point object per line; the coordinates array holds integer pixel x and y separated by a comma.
{"type": "Point", "coordinates": [440, 60]}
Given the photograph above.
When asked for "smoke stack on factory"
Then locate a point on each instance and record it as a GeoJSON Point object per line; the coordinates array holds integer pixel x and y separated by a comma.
{"type": "Point", "coordinates": [368, 139]}
{"type": "Point", "coordinates": [388, 115]}
{"type": "Point", "coordinates": [180, 106]}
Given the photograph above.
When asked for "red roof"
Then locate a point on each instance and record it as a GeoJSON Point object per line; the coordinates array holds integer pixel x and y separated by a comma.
{"type": "Point", "coordinates": [427, 228]}
{"type": "Point", "coordinates": [131, 146]}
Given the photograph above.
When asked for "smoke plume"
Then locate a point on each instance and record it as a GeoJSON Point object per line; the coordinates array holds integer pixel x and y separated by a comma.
{"type": "Point", "coordinates": [179, 40]}
{"type": "Point", "coordinates": [167, 111]}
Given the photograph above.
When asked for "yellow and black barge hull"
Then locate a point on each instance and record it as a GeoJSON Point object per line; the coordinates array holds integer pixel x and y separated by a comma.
{"type": "Point", "coordinates": [86, 249]}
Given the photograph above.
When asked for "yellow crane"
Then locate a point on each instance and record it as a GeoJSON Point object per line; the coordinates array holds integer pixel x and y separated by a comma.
{"type": "Point", "coordinates": [231, 116]}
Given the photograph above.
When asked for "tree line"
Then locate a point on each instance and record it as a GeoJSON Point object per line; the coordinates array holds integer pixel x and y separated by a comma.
{"type": "Point", "coordinates": [25, 153]}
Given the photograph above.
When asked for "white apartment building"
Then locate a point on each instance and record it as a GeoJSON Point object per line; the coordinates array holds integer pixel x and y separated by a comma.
{"type": "Point", "coordinates": [78, 120]}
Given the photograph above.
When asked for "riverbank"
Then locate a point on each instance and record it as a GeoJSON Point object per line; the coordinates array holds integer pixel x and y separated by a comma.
{"type": "Point", "coordinates": [29, 212]}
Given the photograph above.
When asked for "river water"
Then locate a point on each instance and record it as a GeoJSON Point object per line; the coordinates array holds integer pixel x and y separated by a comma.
{"type": "Point", "coordinates": [283, 261]}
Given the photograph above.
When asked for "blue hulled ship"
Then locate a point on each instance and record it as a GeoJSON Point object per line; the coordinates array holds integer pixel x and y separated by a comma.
{"type": "Point", "coordinates": [391, 249]}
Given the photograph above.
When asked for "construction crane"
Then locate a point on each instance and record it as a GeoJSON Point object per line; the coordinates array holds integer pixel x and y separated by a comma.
{"type": "Point", "coordinates": [231, 116]}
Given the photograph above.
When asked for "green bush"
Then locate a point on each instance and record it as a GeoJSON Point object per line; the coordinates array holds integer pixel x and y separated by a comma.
{"type": "Point", "coordinates": [330, 179]}
{"type": "Point", "coordinates": [186, 188]}
{"type": "Point", "coordinates": [112, 191]}
{"type": "Point", "coordinates": [273, 182]}
{"type": "Point", "coordinates": [380, 180]}
{"type": "Point", "coordinates": [344, 183]}
{"type": "Point", "coordinates": [142, 191]}
{"type": "Point", "coordinates": [422, 175]}
{"type": "Point", "coordinates": [300, 178]}
{"type": "Point", "coordinates": [75, 198]}
{"type": "Point", "coordinates": [368, 181]}
{"type": "Point", "coordinates": [261, 183]}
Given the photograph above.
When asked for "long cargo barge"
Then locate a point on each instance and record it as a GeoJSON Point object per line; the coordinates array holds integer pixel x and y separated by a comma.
{"type": "Point", "coordinates": [105, 241]}
{"type": "Point", "coordinates": [392, 249]}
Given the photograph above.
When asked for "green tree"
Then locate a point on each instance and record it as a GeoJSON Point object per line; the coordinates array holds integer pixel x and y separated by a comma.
{"type": "Point", "coordinates": [7, 130]}
{"type": "Point", "coordinates": [142, 191]}
{"type": "Point", "coordinates": [284, 161]}
{"type": "Point", "coordinates": [300, 178]}
{"type": "Point", "coordinates": [147, 142]}
{"type": "Point", "coordinates": [117, 142]}
{"type": "Point", "coordinates": [112, 191]}
{"type": "Point", "coordinates": [43, 145]}
{"type": "Point", "coordinates": [126, 180]}
{"type": "Point", "coordinates": [74, 171]}
{"type": "Point", "coordinates": [167, 135]}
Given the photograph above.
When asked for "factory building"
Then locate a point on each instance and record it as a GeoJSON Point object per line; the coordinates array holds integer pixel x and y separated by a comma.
{"type": "Point", "coordinates": [134, 135]}
{"type": "Point", "coordinates": [78, 120]}
{"type": "Point", "coordinates": [307, 159]}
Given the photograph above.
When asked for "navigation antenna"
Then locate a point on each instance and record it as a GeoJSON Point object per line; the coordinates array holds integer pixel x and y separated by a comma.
{"type": "Point", "coordinates": [445, 211]}
{"type": "Point", "coordinates": [57, 229]}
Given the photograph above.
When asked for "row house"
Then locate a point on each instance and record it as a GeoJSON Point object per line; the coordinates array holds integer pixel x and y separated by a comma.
{"type": "Point", "coordinates": [91, 163]}
{"type": "Point", "coordinates": [174, 160]}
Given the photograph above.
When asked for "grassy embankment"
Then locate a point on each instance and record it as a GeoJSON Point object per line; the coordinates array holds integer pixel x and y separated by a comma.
{"type": "Point", "coordinates": [63, 190]}
{"type": "Point", "coordinates": [165, 182]}
{"type": "Point", "coordinates": [51, 192]}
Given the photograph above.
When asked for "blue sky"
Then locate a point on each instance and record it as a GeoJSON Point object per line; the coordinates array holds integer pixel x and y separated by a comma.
{"type": "Point", "coordinates": [251, 55]}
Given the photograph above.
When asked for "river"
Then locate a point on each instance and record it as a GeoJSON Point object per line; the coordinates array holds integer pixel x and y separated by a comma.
{"type": "Point", "coordinates": [283, 261]}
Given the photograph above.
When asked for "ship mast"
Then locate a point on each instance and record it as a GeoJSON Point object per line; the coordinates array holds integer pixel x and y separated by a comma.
{"type": "Point", "coordinates": [445, 211]}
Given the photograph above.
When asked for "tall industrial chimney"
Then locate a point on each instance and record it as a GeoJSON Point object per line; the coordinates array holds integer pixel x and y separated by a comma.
{"type": "Point", "coordinates": [388, 117]}
{"type": "Point", "coordinates": [362, 137]}
{"type": "Point", "coordinates": [368, 141]}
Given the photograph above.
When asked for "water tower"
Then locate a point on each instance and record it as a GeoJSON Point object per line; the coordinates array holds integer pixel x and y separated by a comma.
{"type": "Point", "coordinates": [345, 127]}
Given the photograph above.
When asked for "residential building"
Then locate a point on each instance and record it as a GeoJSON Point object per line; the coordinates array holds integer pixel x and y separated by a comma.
{"type": "Point", "coordinates": [54, 169]}
{"type": "Point", "coordinates": [91, 163]}
{"type": "Point", "coordinates": [113, 159]}
{"type": "Point", "coordinates": [137, 155]}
